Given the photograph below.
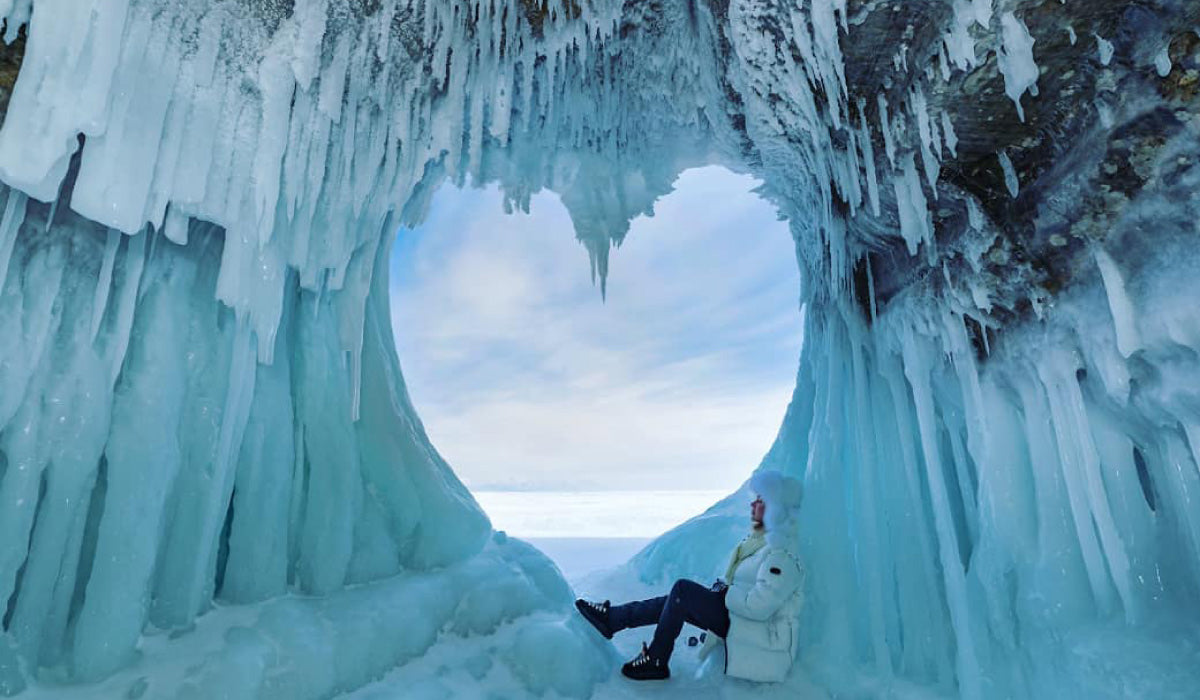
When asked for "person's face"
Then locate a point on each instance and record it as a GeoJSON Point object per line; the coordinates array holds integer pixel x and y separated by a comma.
{"type": "Point", "coordinates": [757, 508]}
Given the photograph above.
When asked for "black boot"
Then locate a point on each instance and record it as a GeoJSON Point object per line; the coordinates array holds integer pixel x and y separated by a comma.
{"type": "Point", "coordinates": [646, 668]}
{"type": "Point", "coordinates": [597, 614]}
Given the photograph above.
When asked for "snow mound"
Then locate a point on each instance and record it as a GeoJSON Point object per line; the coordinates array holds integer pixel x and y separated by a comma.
{"type": "Point", "coordinates": [504, 611]}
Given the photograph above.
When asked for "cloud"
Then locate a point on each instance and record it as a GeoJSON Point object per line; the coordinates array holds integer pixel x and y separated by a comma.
{"type": "Point", "coordinates": [524, 378]}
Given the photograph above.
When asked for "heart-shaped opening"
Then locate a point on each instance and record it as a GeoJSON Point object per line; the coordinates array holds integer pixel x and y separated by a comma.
{"type": "Point", "coordinates": [590, 425]}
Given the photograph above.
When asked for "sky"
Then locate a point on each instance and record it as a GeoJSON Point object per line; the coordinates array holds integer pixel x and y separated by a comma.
{"type": "Point", "coordinates": [526, 379]}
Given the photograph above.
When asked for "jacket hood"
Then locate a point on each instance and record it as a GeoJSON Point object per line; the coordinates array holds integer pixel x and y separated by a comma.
{"type": "Point", "coordinates": [782, 496]}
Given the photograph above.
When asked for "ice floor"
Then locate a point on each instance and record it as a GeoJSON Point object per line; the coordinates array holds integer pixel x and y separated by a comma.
{"type": "Point", "coordinates": [1101, 662]}
{"type": "Point", "coordinates": [500, 627]}
{"type": "Point", "coordinates": [461, 668]}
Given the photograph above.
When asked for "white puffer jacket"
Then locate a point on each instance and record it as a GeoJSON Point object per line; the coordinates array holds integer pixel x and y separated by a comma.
{"type": "Point", "coordinates": [764, 601]}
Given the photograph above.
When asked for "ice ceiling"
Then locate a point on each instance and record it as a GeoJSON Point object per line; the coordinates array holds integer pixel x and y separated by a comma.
{"type": "Point", "coordinates": [997, 412]}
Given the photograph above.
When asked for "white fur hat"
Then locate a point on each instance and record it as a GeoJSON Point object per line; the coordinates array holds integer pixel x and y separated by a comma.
{"type": "Point", "coordinates": [781, 495]}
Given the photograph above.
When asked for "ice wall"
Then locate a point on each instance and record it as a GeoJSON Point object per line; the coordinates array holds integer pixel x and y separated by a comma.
{"type": "Point", "coordinates": [152, 465]}
{"type": "Point", "coordinates": [200, 403]}
{"type": "Point", "coordinates": [995, 412]}
{"type": "Point", "coordinates": [996, 404]}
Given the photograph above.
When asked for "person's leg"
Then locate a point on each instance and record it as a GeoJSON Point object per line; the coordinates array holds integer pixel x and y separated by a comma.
{"type": "Point", "coordinates": [638, 613]}
{"type": "Point", "coordinates": [688, 602]}
{"type": "Point", "coordinates": [610, 619]}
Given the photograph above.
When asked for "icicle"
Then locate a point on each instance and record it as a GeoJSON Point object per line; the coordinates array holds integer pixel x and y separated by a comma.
{"type": "Point", "coordinates": [135, 262]}
{"type": "Point", "coordinates": [906, 428]}
{"type": "Point", "coordinates": [53, 213]}
{"type": "Point", "coordinates": [276, 82]}
{"type": "Point", "coordinates": [10, 224]}
{"type": "Point", "coordinates": [1124, 316]}
{"type": "Point", "coordinates": [868, 154]}
{"type": "Point", "coordinates": [950, 136]}
{"type": "Point", "coordinates": [868, 462]}
{"type": "Point", "coordinates": [1010, 174]}
{"type": "Point", "coordinates": [829, 56]}
{"type": "Point", "coordinates": [16, 15]}
{"type": "Point", "coordinates": [935, 137]}
{"type": "Point", "coordinates": [195, 588]}
{"type": "Point", "coordinates": [917, 369]}
{"type": "Point", "coordinates": [1104, 49]}
{"type": "Point", "coordinates": [176, 227]}
{"type": "Point", "coordinates": [978, 437]}
{"type": "Point", "coordinates": [982, 10]}
{"type": "Point", "coordinates": [960, 47]}
{"type": "Point", "coordinates": [928, 162]}
{"type": "Point", "coordinates": [975, 216]}
{"type": "Point", "coordinates": [1181, 473]}
{"type": "Point", "coordinates": [966, 489]}
{"type": "Point", "coordinates": [911, 205]}
{"type": "Point", "coordinates": [310, 19]}
{"type": "Point", "coordinates": [25, 461]}
{"type": "Point", "coordinates": [1081, 471]}
{"type": "Point", "coordinates": [143, 457]}
{"type": "Point", "coordinates": [847, 174]}
{"type": "Point", "coordinates": [1016, 61]}
{"type": "Point", "coordinates": [889, 144]}
{"type": "Point", "coordinates": [104, 283]}
{"type": "Point", "coordinates": [871, 288]}
{"type": "Point", "coordinates": [1162, 61]}
{"type": "Point", "coordinates": [983, 331]}
{"type": "Point", "coordinates": [981, 297]}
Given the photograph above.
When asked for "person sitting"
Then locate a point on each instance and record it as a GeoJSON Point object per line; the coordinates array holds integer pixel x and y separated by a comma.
{"type": "Point", "coordinates": [756, 612]}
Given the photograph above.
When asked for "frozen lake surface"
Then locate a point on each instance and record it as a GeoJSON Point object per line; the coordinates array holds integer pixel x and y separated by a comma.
{"type": "Point", "coordinates": [590, 531]}
{"type": "Point", "coordinates": [606, 514]}
{"type": "Point", "coordinates": [579, 557]}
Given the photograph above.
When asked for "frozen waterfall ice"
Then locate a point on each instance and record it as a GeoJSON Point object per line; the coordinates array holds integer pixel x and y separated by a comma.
{"type": "Point", "coordinates": [211, 477]}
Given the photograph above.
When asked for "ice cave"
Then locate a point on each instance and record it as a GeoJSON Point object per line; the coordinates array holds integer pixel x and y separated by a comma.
{"type": "Point", "coordinates": [213, 483]}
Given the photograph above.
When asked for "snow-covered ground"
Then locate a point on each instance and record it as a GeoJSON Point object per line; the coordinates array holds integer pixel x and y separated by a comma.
{"type": "Point", "coordinates": [471, 667]}
{"type": "Point", "coordinates": [499, 625]}
{"type": "Point", "coordinates": [600, 568]}
{"type": "Point", "coordinates": [596, 567]}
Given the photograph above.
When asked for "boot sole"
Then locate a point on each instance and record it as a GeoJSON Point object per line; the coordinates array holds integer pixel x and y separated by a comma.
{"type": "Point", "coordinates": [598, 624]}
{"type": "Point", "coordinates": [646, 678]}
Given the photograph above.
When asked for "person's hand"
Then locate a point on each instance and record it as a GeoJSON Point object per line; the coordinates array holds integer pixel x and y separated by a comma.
{"type": "Point", "coordinates": [719, 586]}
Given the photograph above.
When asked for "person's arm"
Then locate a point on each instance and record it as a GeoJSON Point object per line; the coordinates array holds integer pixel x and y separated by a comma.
{"type": "Point", "coordinates": [778, 578]}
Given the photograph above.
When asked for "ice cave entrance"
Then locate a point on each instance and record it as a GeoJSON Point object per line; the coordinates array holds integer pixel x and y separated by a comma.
{"type": "Point", "coordinates": [589, 426]}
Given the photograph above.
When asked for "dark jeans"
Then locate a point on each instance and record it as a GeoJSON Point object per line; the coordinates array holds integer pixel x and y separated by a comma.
{"type": "Point", "coordinates": [688, 601]}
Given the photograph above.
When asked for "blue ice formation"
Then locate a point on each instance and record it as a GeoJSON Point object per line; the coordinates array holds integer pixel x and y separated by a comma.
{"type": "Point", "coordinates": [997, 409]}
